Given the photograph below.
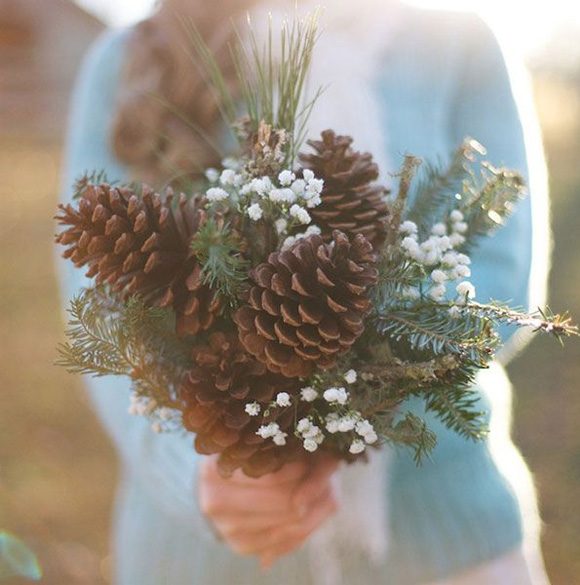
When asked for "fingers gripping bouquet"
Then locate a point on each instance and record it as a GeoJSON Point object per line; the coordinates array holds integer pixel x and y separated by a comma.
{"type": "Point", "coordinates": [287, 302]}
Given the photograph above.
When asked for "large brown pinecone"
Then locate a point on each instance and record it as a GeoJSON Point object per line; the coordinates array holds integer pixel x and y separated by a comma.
{"type": "Point", "coordinates": [140, 244]}
{"type": "Point", "coordinates": [308, 303]}
{"type": "Point", "coordinates": [351, 201]}
{"type": "Point", "coordinates": [223, 379]}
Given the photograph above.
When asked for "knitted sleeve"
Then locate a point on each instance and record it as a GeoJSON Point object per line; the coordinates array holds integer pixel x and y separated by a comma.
{"type": "Point", "coordinates": [494, 105]}
{"type": "Point", "coordinates": [164, 463]}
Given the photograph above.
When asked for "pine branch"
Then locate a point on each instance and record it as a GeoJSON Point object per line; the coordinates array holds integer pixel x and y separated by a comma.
{"type": "Point", "coordinates": [89, 178]}
{"type": "Point", "coordinates": [439, 183]}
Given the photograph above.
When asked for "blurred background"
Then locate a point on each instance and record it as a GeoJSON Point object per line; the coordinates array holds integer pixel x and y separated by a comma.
{"type": "Point", "coordinates": [57, 469]}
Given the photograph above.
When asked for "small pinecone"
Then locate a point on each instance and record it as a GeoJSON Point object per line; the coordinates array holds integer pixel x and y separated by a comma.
{"type": "Point", "coordinates": [140, 244]}
{"type": "Point", "coordinates": [223, 379]}
{"type": "Point", "coordinates": [308, 303]}
{"type": "Point", "coordinates": [351, 201]}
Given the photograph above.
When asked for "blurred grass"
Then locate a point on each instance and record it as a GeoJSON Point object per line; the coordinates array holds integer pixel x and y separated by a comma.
{"type": "Point", "coordinates": [57, 470]}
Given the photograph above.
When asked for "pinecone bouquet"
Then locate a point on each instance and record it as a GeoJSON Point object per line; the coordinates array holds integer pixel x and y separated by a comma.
{"type": "Point", "coordinates": [286, 305]}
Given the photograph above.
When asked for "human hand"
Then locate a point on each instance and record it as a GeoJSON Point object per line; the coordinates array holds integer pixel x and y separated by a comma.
{"type": "Point", "coordinates": [271, 516]}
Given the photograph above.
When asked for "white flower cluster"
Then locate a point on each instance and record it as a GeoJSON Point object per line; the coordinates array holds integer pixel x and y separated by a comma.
{"type": "Point", "coordinates": [439, 256]}
{"type": "Point", "coordinates": [273, 431]}
{"type": "Point", "coordinates": [289, 197]}
{"type": "Point", "coordinates": [314, 429]}
{"type": "Point", "coordinates": [148, 407]}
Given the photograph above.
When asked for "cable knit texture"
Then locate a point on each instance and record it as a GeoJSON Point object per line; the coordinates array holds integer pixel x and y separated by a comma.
{"type": "Point", "coordinates": [442, 77]}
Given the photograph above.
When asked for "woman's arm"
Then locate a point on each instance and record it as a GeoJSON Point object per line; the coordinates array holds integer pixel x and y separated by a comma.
{"type": "Point", "coordinates": [166, 463]}
{"type": "Point", "coordinates": [494, 105]}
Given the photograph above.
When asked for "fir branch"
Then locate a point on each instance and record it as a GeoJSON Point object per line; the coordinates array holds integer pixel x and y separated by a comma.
{"type": "Point", "coordinates": [439, 184]}
{"type": "Point", "coordinates": [429, 328]}
{"type": "Point", "coordinates": [411, 432]}
{"type": "Point", "coordinates": [106, 337]}
{"type": "Point", "coordinates": [542, 320]}
{"type": "Point", "coordinates": [223, 267]}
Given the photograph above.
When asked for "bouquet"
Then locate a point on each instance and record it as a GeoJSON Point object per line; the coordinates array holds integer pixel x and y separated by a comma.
{"type": "Point", "coordinates": [288, 302]}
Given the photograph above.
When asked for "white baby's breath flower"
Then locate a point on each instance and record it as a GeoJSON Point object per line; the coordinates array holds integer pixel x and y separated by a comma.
{"type": "Point", "coordinates": [460, 227]}
{"type": "Point", "coordinates": [364, 427]}
{"type": "Point", "coordinates": [304, 424]}
{"type": "Point", "coordinates": [253, 408]}
{"type": "Point", "coordinates": [463, 259]}
{"type": "Point", "coordinates": [300, 214]}
{"type": "Point", "coordinates": [350, 376]}
{"type": "Point", "coordinates": [450, 259]}
{"type": "Point", "coordinates": [165, 413]}
{"type": "Point", "coordinates": [310, 445]}
{"type": "Point", "coordinates": [286, 177]}
{"type": "Point", "coordinates": [315, 187]}
{"type": "Point", "coordinates": [437, 292]}
{"type": "Point", "coordinates": [336, 395]}
{"type": "Point", "coordinates": [308, 394]}
{"type": "Point", "coordinates": [299, 187]}
{"type": "Point", "coordinates": [312, 230]}
{"type": "Point", "coordinates": [465, 290]}
{"type": "Point", "coordinates": [288, 242]}
{"type": "Point", "coordinates": [255, 212]}
{"type": "Point", "coordinates": [438, 276]}
{"type": "Point", "coordinates": [308, 175]}
{"type": "Point", "coordinates": [456, 240]}
{"type": "Point", "coordinates": [212, 175]}
{"type": "Point", "coordinates": [283, 399]}
{"type": "Point", "coordinates": [281, 225]}
{"type": "Point", "coordinates": [409, 244]}
{"type": "Point", "coordinates": [332, 422]}
{"type": "Point", "coordinates": [409, 228]}
{"type": "Point", "coordinates": [314, 201]}
{"type": "Point", "coordinates": [439, 229]}
{"type": "Point", "coordinates": [216, 194]}
{"type": "Point", "coordinates": [313, 433]}
{"type": "Point", "coordinates": [346, 424]}
{"type": "Point", "coordinates": [268, 431]}
{"type": "Point", "coordinates": [456, 215]}
{"type": "Point", "coordinates": [280, 439]}
{"type": "Point", "coordinates": [357, 446]}
{"type": "Point", "coordinates": [227, 177]}
{"type": "Point", "coordinates": [282, 196]}
{"type": "Point", "coordinates": [463, 271]}
{"type": "Point", "coordinates": [230, 163]}
{"type": "Point", "coordinates": [259, 186]}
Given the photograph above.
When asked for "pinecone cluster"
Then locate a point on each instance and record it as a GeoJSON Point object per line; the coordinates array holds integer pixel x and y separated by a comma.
{"type": "Point", "coordinates": [307, 303]}
{"type": "Point", "coordinates": [140, 244]}
{"type": "Point", "coordinates": [351, 201]}
{"type": "Point", "coordinates": [223, 379]}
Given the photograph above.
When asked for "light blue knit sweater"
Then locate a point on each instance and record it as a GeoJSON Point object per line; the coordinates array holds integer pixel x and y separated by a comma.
{"type": "Point", "coordinates": [443, 78]}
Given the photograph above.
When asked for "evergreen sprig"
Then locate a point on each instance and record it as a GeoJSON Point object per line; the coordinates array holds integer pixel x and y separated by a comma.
{"type": "Point", "coordinates": [272, 78]}
{"type": "Point", "coordinates": [429, 328]}
{"type": "Point", "coordinates": [224, 268]}
{"type": "Point", "coordinates": [108, 337]}
{"type": "Point", "coordinates": [438, 185]}
{"type": "Point", "coordinates": [487, 203]}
